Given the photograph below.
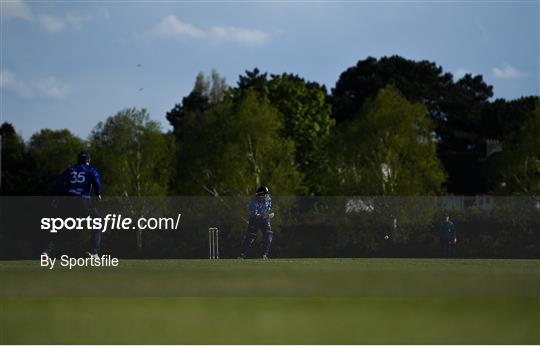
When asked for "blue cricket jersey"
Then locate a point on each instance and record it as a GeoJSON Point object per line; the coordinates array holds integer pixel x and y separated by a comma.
{"type": "Point", "coordinates": [262, 208]}
{"type": "Point", "coordinates": [447, 230]}
{"type": "Point", "coordinates": [78, 180]}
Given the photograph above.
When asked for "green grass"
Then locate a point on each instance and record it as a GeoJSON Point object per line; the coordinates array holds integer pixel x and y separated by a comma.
{"type": "Point", "coordinates": [315, 301]}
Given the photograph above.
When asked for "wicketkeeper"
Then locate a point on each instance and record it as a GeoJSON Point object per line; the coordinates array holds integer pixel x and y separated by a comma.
{"type": "Point", "coordinates": [260, 213]}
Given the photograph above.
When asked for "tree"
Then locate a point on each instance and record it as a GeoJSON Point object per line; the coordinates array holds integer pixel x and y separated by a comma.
{"type": "Point", "coordinates": [218, 87]}
{"type": "Point", "coordinates": [506, 117]}
{"type": "Point", "coordinates": [52, 151]}
{"type": "Point", "coordinates": [463, 104]}
{"type": "Point", "coordinates": [235, 124]}
{"type": "Point", "coordinates": [185, 114]}
{"type": "Point", "coordinates": [388, 149]}
{"type": "Point", "coordinates": [518, 166]}
{"type": "Point", "coordinates": [15, 165]}
{"type": "Point", "coordinates": [461, 111]}
{"type": "Point", "coordinates": [254, 80]}
{"type": "Point", "coordinates": [231, 155]}
{"type": "Point", "coordinates": [418, 81]}
{"type": "Point", "coordinates": [135, 159]}
{"type": "Point", "coordinates": [306, 121]}
{"type": "Point", "coordinates": [456, 107]}
{"type": "Point", "coordinates": [133, 155]}
{"type": "Point", "coordinates": [187, 118]}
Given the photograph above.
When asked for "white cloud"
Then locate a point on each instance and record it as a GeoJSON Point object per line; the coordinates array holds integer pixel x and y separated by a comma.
{"type": "Point", "coordinates": [51, 24]}
{"type": "Point", "coordinates": [49, 87]}
{"type": "Point", "coordinates": [250, 37]}
{"type": "Point", "coordinates": [173, 27]}
{"type": "Point", "coordinates": [8, 81]}
{"type": "Point", "coordinates": [506, 72]}
{"type": "Point", "coordinates": [16, 9]}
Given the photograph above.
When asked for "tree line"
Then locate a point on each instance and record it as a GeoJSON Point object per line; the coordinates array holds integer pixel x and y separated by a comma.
{"type": "Point", "coordinates": [390, 126]}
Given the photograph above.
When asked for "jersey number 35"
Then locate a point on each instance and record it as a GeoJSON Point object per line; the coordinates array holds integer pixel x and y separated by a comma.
{"type": "Point", "coordinates": [77, 177]}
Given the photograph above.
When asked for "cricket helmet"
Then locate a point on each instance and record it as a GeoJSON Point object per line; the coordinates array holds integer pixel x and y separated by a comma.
{"type": "Point", "coordinates": [83, 157]}
{"type": "Point", "coordinates": [262, 190]}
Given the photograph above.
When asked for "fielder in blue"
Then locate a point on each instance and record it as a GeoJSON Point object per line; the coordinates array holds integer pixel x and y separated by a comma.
{"type": "Point", "coordinates": [79, 181]}
{"type": "Point", "coordinates": [447, 236]}
{"type": "Point", "coordinates": [260, 213]}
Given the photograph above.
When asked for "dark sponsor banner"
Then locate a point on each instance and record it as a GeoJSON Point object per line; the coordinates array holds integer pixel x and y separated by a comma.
{"type": "Point", "coordinates": [342, 226]}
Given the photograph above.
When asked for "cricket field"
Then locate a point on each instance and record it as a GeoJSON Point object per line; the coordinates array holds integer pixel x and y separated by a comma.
{"type": "Point", "coordinates": [297, 301]}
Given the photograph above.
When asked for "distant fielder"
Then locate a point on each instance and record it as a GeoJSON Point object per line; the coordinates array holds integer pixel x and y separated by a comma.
{"type": "Point", "coordinates": [260, 213]}
{"type": "Point", "coordinates": [80, 180]}
{"type": "Point", "coordinates": [448, 236]}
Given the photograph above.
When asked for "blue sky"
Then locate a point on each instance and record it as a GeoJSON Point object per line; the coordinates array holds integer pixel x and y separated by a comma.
{"type": "Point", "coordinates": [73, 64]}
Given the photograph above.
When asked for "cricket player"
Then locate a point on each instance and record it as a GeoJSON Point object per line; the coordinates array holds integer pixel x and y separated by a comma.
{"type": "Point", "coordinates": [79, 181]}
{"type": "Point", "coordinates": [447, 236]}
{"type": "Point", "coordinates": [260, 213]}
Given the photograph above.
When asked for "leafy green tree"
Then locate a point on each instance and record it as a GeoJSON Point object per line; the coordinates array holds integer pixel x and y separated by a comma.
{"type": "Point", "coordinates": [254, 80]}
{"type": "Point", "coordinates": [232, 153]}
{"type": "Point", "coordinates": [218, 87]}
{"type": "Point", "coordinates": [388, 149]}
{"type": "Point", "coordinates": [133, 155]}
{"type": "Point", "coordinates": [517, 168]}
{"type": "Point", "coordinates": [307, 121]}
{"type": "Point", "coordinates": [185, 115]}
{"type": "Point", "coordinates": [455, 106]}
{"type": "Point", "coordinates": [187, 119]}
{"type": "Point", "coordinates": [135, 159]}
{"type": "Point", "coordinates": [463, 104]}
{"type": "Point", "coordinates": [461, 110]}
{"type": "Point", "coordinates": [52, 151]}
{"type": "Point", "coordinates": [418, 81]}
{"type": "Point", "coordinates": [206, 91]}
{"type": "Point", "coordinates": [506, 116]}
{"type": "Point", "coordinates": [306, 118]}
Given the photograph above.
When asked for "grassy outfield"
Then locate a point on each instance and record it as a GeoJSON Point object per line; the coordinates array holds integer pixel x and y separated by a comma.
{"type": "Point", "coordinates": [320, 301]}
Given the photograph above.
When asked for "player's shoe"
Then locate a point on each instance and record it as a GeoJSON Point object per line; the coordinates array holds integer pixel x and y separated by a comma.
{"type": "Point", "coordinates": [265, 258]}
{"type": "Point", "coordinates": [242, 256]}
{"type": "Point", "coordinates": [91, 255]}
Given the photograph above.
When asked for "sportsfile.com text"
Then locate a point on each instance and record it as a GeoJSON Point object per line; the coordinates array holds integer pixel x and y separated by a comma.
{"type": "Point", "coordinates": [109, 222]}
